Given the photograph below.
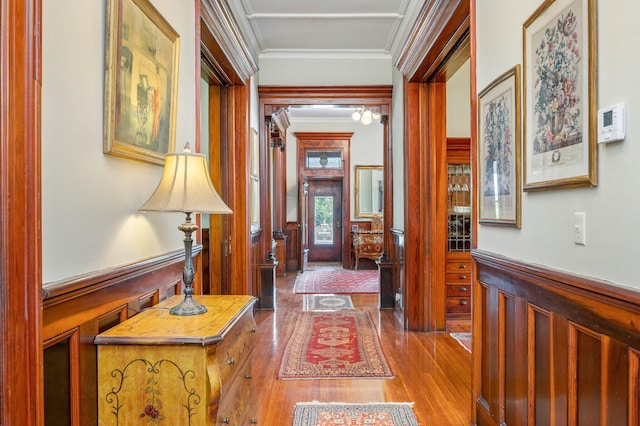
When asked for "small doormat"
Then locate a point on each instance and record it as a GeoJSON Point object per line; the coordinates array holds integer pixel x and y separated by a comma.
{"type": "Point", "coordinates": [334, 413]}
{"type": "Point", "coordinates": [464, 339]}
{"type": "Point", "coordinates": [334, 345]}
{"type": "Point", "coordinates": [337, 281]}
{"type": "Point", "coordinates": [326, 302]}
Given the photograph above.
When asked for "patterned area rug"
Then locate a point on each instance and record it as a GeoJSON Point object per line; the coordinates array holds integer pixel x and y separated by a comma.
{"type": "Point", "coordinates": [326, 302]}
{"type": "Point", "coordinates": [337, 281]}
{"type": "Point", "coordinates": [464, 339]}
{"type": "Point", "coordinates": [381, 414]}
{"type": "Point", "coordinates": [334, 345]}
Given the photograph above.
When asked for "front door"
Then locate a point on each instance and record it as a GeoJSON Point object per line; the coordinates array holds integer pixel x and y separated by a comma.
{"type": "Point", "coordinates": [325, 220]}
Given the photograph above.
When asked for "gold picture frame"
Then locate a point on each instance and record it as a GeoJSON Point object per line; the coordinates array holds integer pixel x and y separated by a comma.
{"type": "Point", "coordinates": [141, 82]}
{"type": "Point", "coordinates": [559, 95]}
{"type": "Point", "coordinates": [499, 150]}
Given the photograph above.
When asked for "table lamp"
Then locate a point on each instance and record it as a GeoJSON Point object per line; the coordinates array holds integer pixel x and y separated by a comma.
{"type": "Point", "coordinates": [186, 187]}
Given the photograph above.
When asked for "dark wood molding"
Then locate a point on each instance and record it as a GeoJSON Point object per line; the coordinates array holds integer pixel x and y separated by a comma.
{"type": "Point", "coordinates": [551, 347]}
{"type": "Point", "coordinates": [21, 388]}
{"type": "Point", "coordinates": [223, 49]}
{"type": "Point", "coordinates": [76, 310]}
{"type": "Point", "coordinates": [439, 28]}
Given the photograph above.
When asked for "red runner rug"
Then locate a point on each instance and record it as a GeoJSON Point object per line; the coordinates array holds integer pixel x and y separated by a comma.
{"type": "Point", "coordinates": [333, 413]}
{"type": "Point", "coordinates": [337, 281]}
{"type": "Point", "coordinates": [334, 345]}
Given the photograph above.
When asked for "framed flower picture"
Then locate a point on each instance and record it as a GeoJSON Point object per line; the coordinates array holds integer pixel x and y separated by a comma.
{"type": "Point", "coordinates": [499, 150]}
{"type": "Point", "coordinates": [559, 44]}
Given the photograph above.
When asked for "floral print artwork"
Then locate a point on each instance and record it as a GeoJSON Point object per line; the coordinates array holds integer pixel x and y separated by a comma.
{"type": "Point", "coordinates": [497, 136]}
{"type": "Point", "coordinates": [557, 82]}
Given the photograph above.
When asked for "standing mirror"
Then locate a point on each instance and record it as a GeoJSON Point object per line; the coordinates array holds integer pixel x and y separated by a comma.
{"type": "Point", "coordinates": [369, 191]}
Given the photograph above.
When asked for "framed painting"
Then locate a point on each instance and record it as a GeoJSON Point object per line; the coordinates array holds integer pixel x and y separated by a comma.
{"type": "Point", "coordinates": [141, 82]}
{"type": "Point", "coordinates": [499, 150]}
{"type": "Point", "coordinates": [559, 44]}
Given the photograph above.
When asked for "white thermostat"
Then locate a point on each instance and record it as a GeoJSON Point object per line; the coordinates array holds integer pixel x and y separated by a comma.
{"type": "Point", "coordinates": [611, 123]}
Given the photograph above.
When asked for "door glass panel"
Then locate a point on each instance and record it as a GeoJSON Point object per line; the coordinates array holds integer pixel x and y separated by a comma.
{"type": "Point", "coordinates": [323, 220]}
{"type": "Point", "coordinates": [324, 159]}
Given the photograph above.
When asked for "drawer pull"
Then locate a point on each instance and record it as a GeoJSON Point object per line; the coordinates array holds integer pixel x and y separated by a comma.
{"type": "Point", "coordinates": [463, 289]}
{"type": "Point", "coordinates": [231, 361]}
{"type": "Point", "coordinates": [249, 376]}
{"type": "Point", "coordinates": [463, 277]}
{"type": "Point", "coordinates": [252, 330]}
{"type": "Point", "coordinates": [463, 302]}
{"type": "Point", "coordinates": [463, 266]}
{"type": "Point", "coordinates": [226, 420]}
{"type": "Point", "coordinates": [254, 421]}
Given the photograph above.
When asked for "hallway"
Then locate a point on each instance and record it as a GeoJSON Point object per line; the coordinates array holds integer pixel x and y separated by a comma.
{"type": "Point", "coordinates": [432, 369]}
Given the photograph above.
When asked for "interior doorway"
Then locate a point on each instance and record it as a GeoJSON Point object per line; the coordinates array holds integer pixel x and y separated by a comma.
{"type": "Point", "coordinates": [325, 220]}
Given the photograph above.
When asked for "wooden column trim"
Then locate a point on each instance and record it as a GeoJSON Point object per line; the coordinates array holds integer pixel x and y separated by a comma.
{"type": "Point", "coordinates": [20, 208]}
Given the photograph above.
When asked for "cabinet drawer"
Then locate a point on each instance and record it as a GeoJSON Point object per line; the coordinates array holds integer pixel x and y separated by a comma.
{"type": "Point", "coordinates": [458, 290]}
{"type": "Point", "coordinates": [463, 277]}
{"type": "Point", "coordinates": [459, 306]}
{"type": "Point", "coordinates": [236, 405]}
{"type": "Point", "coordinates": [453, 266]}
{"type": "Point", "coordinates": [232, 352]}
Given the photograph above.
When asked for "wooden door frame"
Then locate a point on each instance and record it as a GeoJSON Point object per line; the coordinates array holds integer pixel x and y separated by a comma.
{"type": "Point", "coordinates": [274, 98]}
{"type": "Point", "coordinates": [227, 63]}
{"type": "Point", "coordinates": [428, 57]}
{"type": "Point", "coordinates": [328, 141]}
{"type": "Point", "coordinates": [21, 351]}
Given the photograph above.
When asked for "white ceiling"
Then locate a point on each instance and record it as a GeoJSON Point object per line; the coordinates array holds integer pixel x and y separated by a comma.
{"type": "Point", "coordinates": [352, 27]}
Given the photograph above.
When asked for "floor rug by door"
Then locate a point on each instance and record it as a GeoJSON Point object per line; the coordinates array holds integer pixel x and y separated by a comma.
{"type": "Point", "coordinates": [464, 339]}
{"type": "Point", "coordinates": [326, 302]}
{"type": "Point", "coordinates": [334, 345]}
{"type": "Point", "coordinates": [328, 414]}
{"type": "Point", "coordinates": [337, 281]}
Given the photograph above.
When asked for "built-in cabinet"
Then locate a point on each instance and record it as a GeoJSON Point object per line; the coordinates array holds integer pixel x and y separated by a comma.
{"type": "Point", "coordinates": [458, 252]}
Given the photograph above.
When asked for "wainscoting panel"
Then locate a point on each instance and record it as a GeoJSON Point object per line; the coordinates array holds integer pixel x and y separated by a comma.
{"type": "Point", "coordinates": [76, 310]}
{"type": "Point", "coordinates": [552, 348]}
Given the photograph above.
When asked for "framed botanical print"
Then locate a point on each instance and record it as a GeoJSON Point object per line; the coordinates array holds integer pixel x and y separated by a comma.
{"type": "Point", "coordinates": [141, 82]}
{"type": "Point", "coordinates": [559, 44]}
{"type": "Point", "coordinates": [499, 150]}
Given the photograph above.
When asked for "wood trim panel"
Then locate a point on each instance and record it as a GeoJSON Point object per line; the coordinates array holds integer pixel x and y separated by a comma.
{"type": "Point", "coordinates": [293, 246]}
{"type": "Point", "coordinates": [21, 388]}
{"type": "Point", "coordinates": [582, 343]}
{"type": "Point", "coordinates": [223, 46]}
{"type": "Point", "coordinates": [434, 36]}
{"type": "Point", "coordinates": [82, 308]}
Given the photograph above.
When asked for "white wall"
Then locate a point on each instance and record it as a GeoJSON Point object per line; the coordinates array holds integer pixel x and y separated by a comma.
{"type": "Point", "coordinates": [366, 150]}
{"type": "Point", "coordinates": [89, 199]}
{"type": "Point", "coordinates": [458, 103]}
{"type": "Point", "coordinates": [611, 208]}
{"type": "Point", "coordinates": [299, 70]}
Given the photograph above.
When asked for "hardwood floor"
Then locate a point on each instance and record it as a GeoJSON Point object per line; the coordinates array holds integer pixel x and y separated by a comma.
{"type": "Point", "coordinates": [432, 369]}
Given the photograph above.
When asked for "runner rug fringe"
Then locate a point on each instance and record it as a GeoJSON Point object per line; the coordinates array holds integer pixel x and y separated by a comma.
{"type": "Point", "coordinates": [338, 413]}
{"type": "Point", "coordinates": [337, 281]}
{"type": "Point", "coordinates": [334, 345]}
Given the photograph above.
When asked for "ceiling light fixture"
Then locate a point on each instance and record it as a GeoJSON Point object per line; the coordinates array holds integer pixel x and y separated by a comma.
{"type": "Point", "coordinates": [365, 115]}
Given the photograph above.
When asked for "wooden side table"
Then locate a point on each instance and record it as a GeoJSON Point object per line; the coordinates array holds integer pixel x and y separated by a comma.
{"type": "Point", "coordinates": [158, 368]}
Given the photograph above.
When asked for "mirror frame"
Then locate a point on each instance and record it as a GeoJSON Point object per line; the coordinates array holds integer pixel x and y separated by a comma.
{"type": "Point", "coordinates": [358, 213]}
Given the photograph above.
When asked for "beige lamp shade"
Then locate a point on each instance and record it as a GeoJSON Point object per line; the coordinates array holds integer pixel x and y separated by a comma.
{"type": "Point", "coordinates": [186, 187]}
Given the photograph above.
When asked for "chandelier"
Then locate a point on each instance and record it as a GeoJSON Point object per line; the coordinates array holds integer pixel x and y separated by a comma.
{"type": "Point", "coordinates": [365, 115]}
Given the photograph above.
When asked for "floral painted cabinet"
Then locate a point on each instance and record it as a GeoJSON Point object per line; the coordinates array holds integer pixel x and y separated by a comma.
{"type": "Point", "coordinates": [161, 369]}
